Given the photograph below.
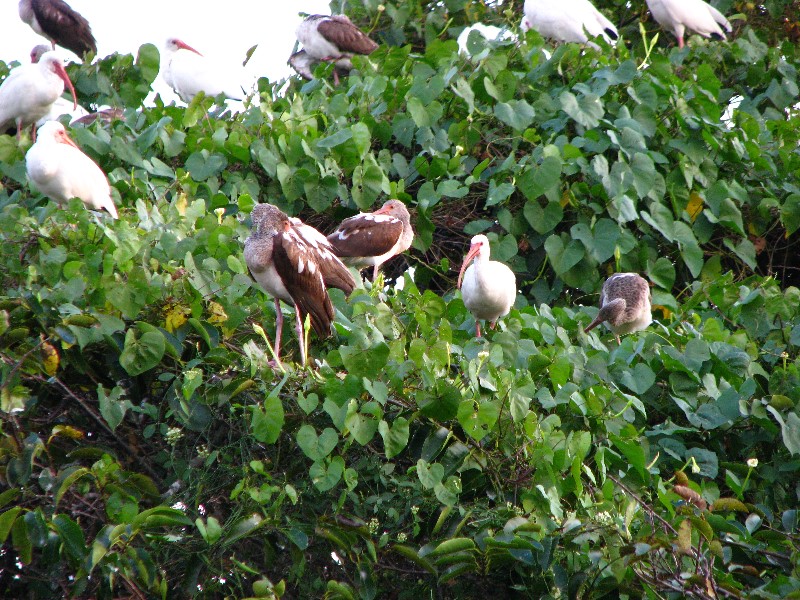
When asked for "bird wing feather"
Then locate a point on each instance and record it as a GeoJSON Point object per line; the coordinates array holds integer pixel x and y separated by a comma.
{"type": "Point", "coordinates": [346, 36]}
{"type": "Point", "coordinates": [363, 235]}
{"type": "Point", "coordinates": [60, 22]}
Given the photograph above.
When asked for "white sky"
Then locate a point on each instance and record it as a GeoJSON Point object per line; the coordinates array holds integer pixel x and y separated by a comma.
{"type": "Point", "coordinates": [224, 33]}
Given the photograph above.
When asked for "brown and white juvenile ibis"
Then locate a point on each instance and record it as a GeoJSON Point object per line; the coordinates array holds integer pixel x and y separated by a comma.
{"type": "Point", "coordinates": [29, 91]}
{"type": "Point", "coordinates": [695, 15]}
{"type": "Point", "coordinates": [488, 287]}
{"type": "Point", "coordinates": [624, 304]}
{"type": "Point", "coordinates": [188, 72]}
{"type": "Point", "coordinates": [333, 38]}
{"type": "Point", "coordinates": [60, 170]}
{"type": "Point", "coordinates": [370, 239]}
{"type": "Point", "coordinates": [302, 62]}
{"type": "Point", "coordinates": [567, 21]}
{"type": "Point", "coordinates": [59, 23]}
{"type": "Point", "coordinates": [293, 262]}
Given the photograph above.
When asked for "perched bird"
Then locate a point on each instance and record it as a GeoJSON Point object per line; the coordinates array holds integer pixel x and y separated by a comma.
{"type": "Point", "coordinates": [680, 15]}
{"type": "Point", "coordinates": [332, 38]}
{"type": "Point", "coordinates": [58, 168]}
{"type": "Point", "coordinates": [61, 106]}
{"type": "Point", "coordinates": [567, 21]}
{"type": "Point", "coordinates": [488, 287]}
{"type": "Point", "coordinates": [293, 262]}
{"type": "Point", "coordinates": [59, 23]}
{"type": "Point", "coordinates": [304, 64]}
{"type": "Point", "coordinates": [188, 72]}
{"type": "Point", "coordinates": [624, 304]}
{"type": "Point", "coordinates": [29, 91]}
{"type": "Point", "coordinates": [370, 239]}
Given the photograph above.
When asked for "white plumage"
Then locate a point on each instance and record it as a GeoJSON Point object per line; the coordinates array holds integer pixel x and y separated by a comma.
{"type": "Point", "coordinates": [29, 91]}
{"type": "Point", "coordinates": [488, 287]}
{"type": "Point", "coordinates": [188, 73]}
{"type": "Point", "coordinates": [567, 21]}
{"type": "Point", "coordinates": [695, 15]}
{"type": "Point", "coordinates": [58, 168]}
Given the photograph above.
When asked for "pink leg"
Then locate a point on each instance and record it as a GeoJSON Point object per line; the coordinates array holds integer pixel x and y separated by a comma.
{"type": "Point", "coordinates": [680, 41]}
{"type": "Point", "coordinates": [477, 328]}
{"type": "Point", "coordinates": [375, 272]}
{"type": "Point", "coordinates": [278, 328]}
{"type": "Point", "coordinates": [300, 335]}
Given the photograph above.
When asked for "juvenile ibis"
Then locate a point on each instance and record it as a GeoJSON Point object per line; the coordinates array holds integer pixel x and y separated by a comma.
{"type": "Point", "coordinates": [188, 72]}
{"type": "Point", "coordinates": [624, 304]}
{"type": "Point", "coordinates": [370, 239]}
{"type": "Point", "coordinates": [58, 168]}
{"type": "Point", "coordinates": [29, 91]}
{"type": "Point", "coordinates": [695, 15]}
{"type": "Point", "coordinates": [567, 21]}
{"type": "Point", "coordinates": [488, 287]}
{"type": "Point", "coordinates": [293, 262]}
{"type": "Point", "coordinates": [332, 38]}
{"type": "Point", "coordinates": [59, 23]}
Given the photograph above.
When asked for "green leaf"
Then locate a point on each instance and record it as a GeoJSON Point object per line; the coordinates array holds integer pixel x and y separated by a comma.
{"type": "Point", "coordinates": [317, 447]}
{"type": "Point", "coordinates": [111, 407]}
{"type": "Point", "coordinates": [141, 354]}
{"type": "Point", "coordinates": [395, 436]}
{"type": "Point", "coordinates": [586, 109]}
{"type": "Point", "coordinates": [639, 379]}
{"type": "Point", "coordinates": [71, 536]}
{"type": "Point", "coordinates": [790, 430]}
{"type": "Point", "coordinates": [326, 474]}
{"type": "Point", "coordinates": [365, 362]}
{"type": "Point", "coordinates": [7, 520]}
{"type": "Point", "coordinates": [267, 424]}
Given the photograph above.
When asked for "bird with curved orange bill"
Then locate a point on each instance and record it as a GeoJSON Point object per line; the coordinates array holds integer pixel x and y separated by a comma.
{"type": "Point", "coordinates": [29, 92]}
{"type": "Point", "coordinates": [625, 304]}
{"type": "Point", "coordinates": [293, 262]}
{"type": "Point", "coordinates": [188, 72]}
{"type": "Point", "coordinates": [60, 170]}
{"type": "Point", "coordinates": [488, 287]}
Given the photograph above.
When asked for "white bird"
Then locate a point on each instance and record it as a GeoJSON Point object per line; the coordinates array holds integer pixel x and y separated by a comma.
{"type": "Point", "coordinates": [59, 23]}
{"type": "Point", "coordinates": [61, 106]}
{"type": "Point", "coordinates": [567, 21]}
{"type": "Point", "coordinates": [695, 15]}
{"type": "Point", "coordinates": [29, 91]}
{"type": "Point", "coordinates": [488, 287]}
{"type": "Point", "coordinates": [188, 72]}
{"type": "Point", "coordinates": [333, 38]}
{"type": "Point", "coordinates": [294, 262]}
{"type": "Point", "coordinates": [60, 170]}
{"type": "Point", "coordinates": [624, 304]}
{"type": "Point", "coordinates": [370, 239]}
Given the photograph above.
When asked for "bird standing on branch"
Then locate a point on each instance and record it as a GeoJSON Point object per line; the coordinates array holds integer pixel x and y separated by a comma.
{"type": "Point", "coordinates": [624, 304]}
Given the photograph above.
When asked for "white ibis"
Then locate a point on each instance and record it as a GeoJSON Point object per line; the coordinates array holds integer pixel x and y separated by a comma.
{"type": "Point", "coordinates": [188, 72]}
{"type": "Point", "coordinates": [567, 21]}
{"type": "Point", "coordinates": [29, 91]}
{"type": "Point", "coordinates": [332, 38]}
{"type": "Point", "coordinates": [302, 62]}
{"type": "Point", "coordinates": [624, 304]}
{"type": "Point", "coordinates": [488, 287]}
{"type": "Point", "coordinates": [294, 262]}
{"type": "Point", "coordinates": [58, 168]}
{"type": "Point", "coordinates": [695, 15]}
{"type": "Point", "coordinates": [370, 239]}
{"type": "Point", "coordinates": [59, 23]}
{"type": "Point", "coordinates": [61, 106]}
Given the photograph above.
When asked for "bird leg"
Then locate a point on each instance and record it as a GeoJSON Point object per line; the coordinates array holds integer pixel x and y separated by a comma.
{"type": "Point", "coordinates": [680, 41]}
{"type": "Point", "coordinates": [278, 328]}
{"type": "Point", "coordinates": [300, 335]}
{"type": "Point", "coordinates": [477, 328]}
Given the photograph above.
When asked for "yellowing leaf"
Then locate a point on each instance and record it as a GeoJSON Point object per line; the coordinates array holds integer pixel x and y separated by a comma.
{"type": "Point", "coordinates": [50, 359]}
{"type": "Point", "coordinates": [664, 310]}
{"type": "Point", "coordinates": [684, 540]}
{"type": "Point", "coordinates": [565, 198]}
{"type": "Point", "coordinates": [66, 431]}
{"type": "Point", "coordinates": [176, 317]}
{"type": "Point", "coordinates": [180, 204]}
{"type": "Point", "coordinates": [217, 313]}
{"type": "Point", "coordinates": [695, 205]}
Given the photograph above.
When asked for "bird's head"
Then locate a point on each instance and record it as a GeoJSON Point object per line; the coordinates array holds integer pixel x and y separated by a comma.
{"type": "Point", "coordinates": [394, 208]}
{"type": "Point", "coordinates": [267, 218]}
{"type": "Point", "coordinates": [55, 132]}
{"type": "Point", "coordinates": [38, 52]}
{"type": "Point", "coordinates": [53, 63]}
{"type": "Point", "coordinates": [479, 246]}
{"type": "Point", "coordinates": [175, 44]}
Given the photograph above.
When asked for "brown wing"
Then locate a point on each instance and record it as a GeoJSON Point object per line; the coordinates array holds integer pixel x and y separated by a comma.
{"type": "Point", "coordinates": [64, 25]}
{"type": "Point", "coordinates": [301, 275]}
{"type": "Point", "coordinates": [334, 273]}
{"type": "Point", "coordinates": [631, 288]}
{"type": "Point", "coordinates": [344, 35]}
{"type": "Point", "coordinates": [366, 235]}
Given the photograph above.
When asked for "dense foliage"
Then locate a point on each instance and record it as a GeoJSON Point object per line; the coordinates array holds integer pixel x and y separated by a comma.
{"type": "Point", "coordinates": [149, 450]}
